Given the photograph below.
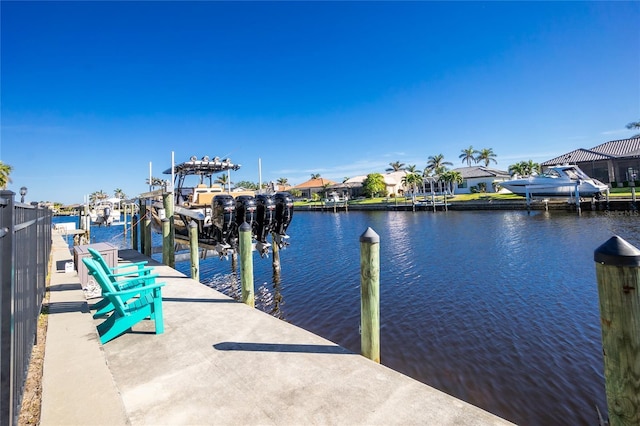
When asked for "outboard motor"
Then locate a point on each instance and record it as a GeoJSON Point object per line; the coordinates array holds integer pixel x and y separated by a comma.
{"type": "Point", "coordinates": [284, 214]}
{"type": "Point", "coordinates": [265, 218]}
{"type": "Point", "coordinates": [106, 215]}
{"type": "Point", "coordinates": [246, 211]}
{"type": "Point", "coordinates": [223, 217]}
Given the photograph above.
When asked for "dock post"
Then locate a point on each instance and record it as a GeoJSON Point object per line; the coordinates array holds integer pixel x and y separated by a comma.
{"type": "Point", "coordinates": [246, 264]}
{"type": "Point", "coordinates": [618, 276]}
{"type": "Point", "coordinates": [87, 224]}
{"type": "Point", "coordinates": [146, 232]}
{"type": "Point", "coordinates": [134, 232]}
{"type": "Point", "coordinates": [578, 208]}
{"type": "Point", "coordinates": [143, 213]}
{"type": "Point", "coordinates": [370, 294]}
{"type": "Point", "coordinates": [168, 240]}
{"type": "Point", "coordinates": [193, 250]}
{"type": "Point", "coordinates": [124, 224]}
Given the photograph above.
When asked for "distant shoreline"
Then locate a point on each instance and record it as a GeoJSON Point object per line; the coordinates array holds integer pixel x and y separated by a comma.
{"type": "Point", "coordinates": [616, 204]}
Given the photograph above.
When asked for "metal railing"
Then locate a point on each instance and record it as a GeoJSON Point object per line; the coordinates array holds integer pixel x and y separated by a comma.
{"type": "Point", "coordinates": [25, 248]}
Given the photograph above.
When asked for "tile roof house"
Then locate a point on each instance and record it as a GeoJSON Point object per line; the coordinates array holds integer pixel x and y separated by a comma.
{"type": "Point", "coordinates": [478, 177]}
{"type": "Point", "coordinates": [614, 161]}
{"type": "Point", "coordinates": [314, 186]}
{"type": "Point", "coordinates": [352, 187]}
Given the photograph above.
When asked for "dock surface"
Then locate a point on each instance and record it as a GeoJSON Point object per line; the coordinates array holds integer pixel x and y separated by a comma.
{"type": "Point", "coordinates": [218, 362]}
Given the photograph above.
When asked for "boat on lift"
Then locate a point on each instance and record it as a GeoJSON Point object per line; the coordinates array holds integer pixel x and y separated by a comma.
{"type": "Point", "coordinates": [106, 212]}
{"type": "Point", "coordinates": [219, 212]}
{"type": "Point", "coordinates": [557, 181]}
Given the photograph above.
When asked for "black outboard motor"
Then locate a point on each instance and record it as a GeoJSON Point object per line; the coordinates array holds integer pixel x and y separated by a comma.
{"type": "Point", "coordinates": [284, 212]}
{"type": "Point", "coordinates": [265, 217]}
{"type": "Point", "coordinates": [106, 214]}
{"type": "Point", "coordinates": [246, 211]}
{"type": "Point", "coordinates": [223, 218]}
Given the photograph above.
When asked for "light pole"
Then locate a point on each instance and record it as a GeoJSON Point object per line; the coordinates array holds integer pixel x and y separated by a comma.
{"type": "Point", "coordinates": [23, 192]}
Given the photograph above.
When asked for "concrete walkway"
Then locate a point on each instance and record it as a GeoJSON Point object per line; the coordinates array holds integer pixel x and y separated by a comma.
{"type": "Point", "coordinates": [219, 362]}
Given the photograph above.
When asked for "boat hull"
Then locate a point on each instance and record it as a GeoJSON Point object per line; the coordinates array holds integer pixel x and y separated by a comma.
{"type": "Point", "coordinates": [567, 190]}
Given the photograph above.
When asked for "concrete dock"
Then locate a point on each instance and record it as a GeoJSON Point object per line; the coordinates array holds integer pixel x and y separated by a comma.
{"type": "Point", "coordinates": [218, 362]}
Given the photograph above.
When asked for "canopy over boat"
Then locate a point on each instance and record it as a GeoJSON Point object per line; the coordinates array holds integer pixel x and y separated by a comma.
{"type": "Point", "coordinates": [204, 166]}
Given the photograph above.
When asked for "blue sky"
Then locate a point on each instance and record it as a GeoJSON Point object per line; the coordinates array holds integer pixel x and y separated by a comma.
{"type": "Point", "coordinates": [91, 93]}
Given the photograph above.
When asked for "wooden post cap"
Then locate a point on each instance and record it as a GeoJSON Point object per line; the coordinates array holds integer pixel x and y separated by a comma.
{"type": "Point", "coordinates": [245, 227]}
{"type": "Point", "coordinates": [617, 252]}
{"type": "Point", "coordinates": [370, 236]}
{"type": "Point", "coordinates": [193, 224]}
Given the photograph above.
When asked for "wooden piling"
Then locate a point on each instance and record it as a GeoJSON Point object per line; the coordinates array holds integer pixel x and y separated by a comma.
{"type": "Point", "coordinates": [134, 232]}
{"type": "Point", "coordinates": [143, 212]}
{"type": "Point", "coordinates": [193, 250]}
{"type": "Point", "coordinates": [168, 240]}
{"type": "Point", "coordinates": [246, 265]}
{"type": "Point", "coordinates": [618, 275]}
{"type": "Point", "coordinates": [148, 244]}
{"type": "Point", "coordinates": [370, 294]}
{"type": "Point", "coordinates": [124, 223]}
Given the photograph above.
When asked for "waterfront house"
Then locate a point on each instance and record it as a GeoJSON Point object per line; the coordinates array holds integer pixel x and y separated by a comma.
{"type": "Point", "coordinates": [352, 187]}
{"type": "Point", "coordinates": [614, 162]}
{"type": "Point", "coordinates": [480, 179]}
{"type": "Point", "coordinates": [314, 186]}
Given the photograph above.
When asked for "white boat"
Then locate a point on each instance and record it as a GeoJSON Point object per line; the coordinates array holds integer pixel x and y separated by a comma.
{"type": "Point", "coordinates": [219, 212]}
{"type": "Point", "coordinates": [335, 199]}
{"type": "Point", "coordinates": [557, 181]}
{"type": "Point", "coordinates": [106, 212]}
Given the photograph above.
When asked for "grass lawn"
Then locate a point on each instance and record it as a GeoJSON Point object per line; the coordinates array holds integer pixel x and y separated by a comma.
{"type": "Point", "coordinates": [613, 193]}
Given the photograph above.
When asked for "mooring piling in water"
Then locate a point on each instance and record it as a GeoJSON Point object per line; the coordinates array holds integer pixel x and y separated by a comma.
{"type": "Point", "coordinates": [168, 238]}
{"type": "Point", "coordinates": [246, 264]}
{"type": "Point", "coordinates": [370, 294]}
{"type": "Point", "coordinates": [134, 232]}
{"type": "Point", "coordinates": [618, 276]}
{"type": "Point", "coordinates": [146, 231]}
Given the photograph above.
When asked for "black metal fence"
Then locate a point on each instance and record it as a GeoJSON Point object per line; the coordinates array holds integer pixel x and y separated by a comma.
{"type": "Point", "coordinates": [25, 246]}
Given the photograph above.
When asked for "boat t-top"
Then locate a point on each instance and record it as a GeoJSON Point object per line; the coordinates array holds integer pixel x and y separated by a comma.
{"type": "Point", "coordinates": [557, 181]}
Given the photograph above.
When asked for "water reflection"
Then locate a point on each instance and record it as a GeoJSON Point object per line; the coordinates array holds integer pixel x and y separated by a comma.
{"type": "Point", "coordinates": [497, 308]}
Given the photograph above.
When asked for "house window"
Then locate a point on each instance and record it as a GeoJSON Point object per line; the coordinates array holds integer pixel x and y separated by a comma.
{"type": "Point", "coordinates": [463, 184]}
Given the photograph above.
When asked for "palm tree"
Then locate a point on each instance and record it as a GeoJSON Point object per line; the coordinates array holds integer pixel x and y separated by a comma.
{"type": "Point", "coordinates": [5, 171]}
{"type": "Point", "coordinates": [450, 178]}
{"type": "Point", "coordinates": [413, 180]}
{"type": "Point", "coordinates": [97, 196]}
{"type": "Point", "coordinates": [634, 125]}
{"type": "Point", "coordinates": [223, 180]}
{"type": "Point", "coordinates": [411, 168]}
{"type": "Point", "coordinates": [531, 167]}
{"type": "Point", "coordinates": [119, 193]}
{"type": "Point", "coordinates": [525, 168]}
{"type": "Point", "coordinates": [395, 166]}
{"type": "Point", "coordinates": [468, 155]}
{"type": "Point", "coordinates": [282, 181]}
{"type": "Point", "coordinates": [325, 190]}
{"type": "Point", "coordinates": [437, 164]}
{"type": "Point", "coordinates": [346, 178]}
{"type": "Point", "coordinates": [487, 155]}
{"type": "Point", "coordinates": [315, 175]}
{"type": "Point", "coordinates": [517, 169]}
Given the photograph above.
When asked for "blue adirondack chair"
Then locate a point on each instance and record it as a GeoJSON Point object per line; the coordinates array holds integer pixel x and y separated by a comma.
{"type": "Point", "coordinates": [141, 275]}
{"type": "Point", "coordinates": [129, 306]}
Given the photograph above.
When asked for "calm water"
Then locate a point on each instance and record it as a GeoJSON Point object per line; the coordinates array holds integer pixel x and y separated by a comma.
{"type": "Point", "coordinates": [499, 309]}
